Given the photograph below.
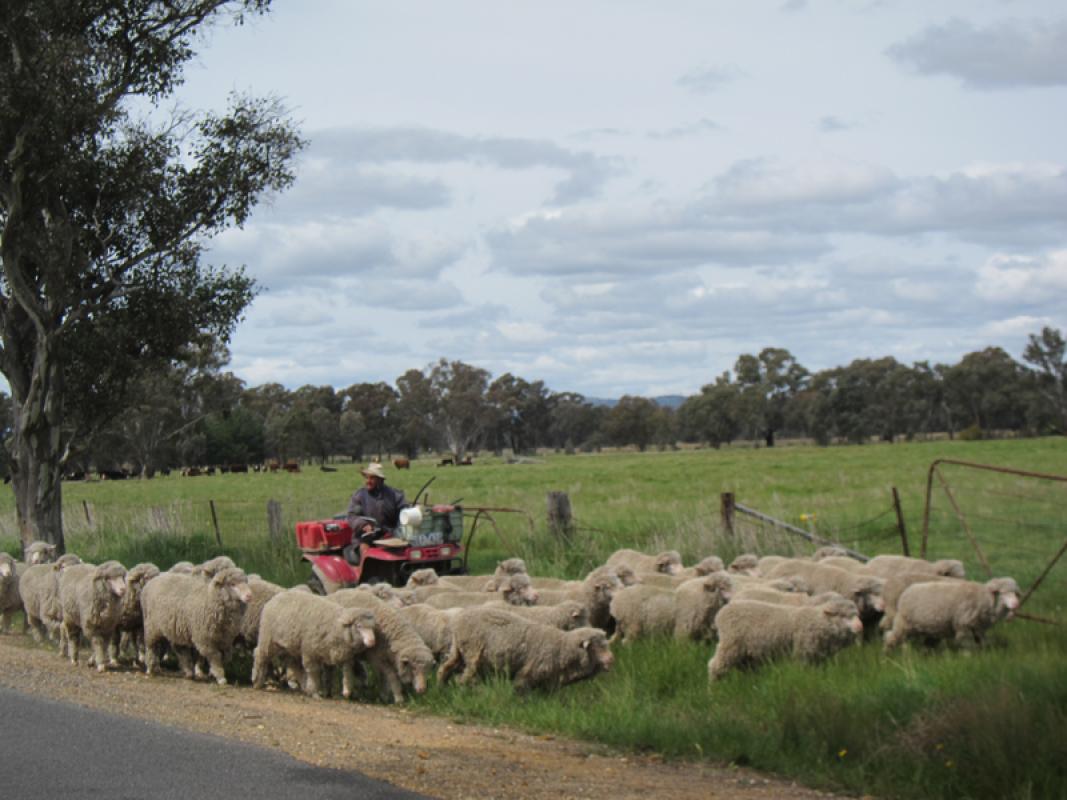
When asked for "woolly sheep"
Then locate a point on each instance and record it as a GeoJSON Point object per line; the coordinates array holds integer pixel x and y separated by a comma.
{"type": "Point", "coordinates": [789, 583]}
{"type": "Point", "coordinates": [194, 615]}
{"type": "Point", "coordinates": [687, 612]}
{"type": "Point", "coordinates": [399, 656]}
{"type": "Point", "coordinates": [310, 632]}
{"type": "Point", "coordinates": [433, 625]}
{"type": "Point", "coordinates": [531, 654]}
{"type": "Point", "coordinates": [887, 565]}
{"type": "Point", "coordinates": [844, 562]}
{"type": "Point", "coordinates": [514, 589]}
{"type": "Point", "coordinates": [767, 563]}
{"type": "Point", "coordinates": [39, 590]}
{"type": "Point", "coordinates": [894, 587]}
{"type": "Point", "coordinates": [10, 600]}
{"type": "Point", "coordinates": [422, 577]}
{"type": "Point", "coordinates": [505, 569]}
{"type": "Point", "coordinates": [261, 593]}
{"type": "Point", "coordinates": [129, 632]}
{"type": "Point", "coordinates": [594, 594]}
{"type": "Point", "coordinates": [959, 610]}
{"type": "Point", "coordinates": [625, 575]}
{"type": "Point", "coordinates": [567, 616]}
{"type": "Point", "coordinates": [213, 566]}
{"type": "Point", "coordinates": [863, 590]}
{"type": "Point", "coordinates": [745, 564]}
{"type": "Point", "coordinates": [38, 552]}
{"type": "Point", "coordinates": [768, 595]}
{"type": "Point", "coordinates": [752, 633]}
{"type": "Point", "coordinates": [91, 599]}
{"type": "Point", "coordinates": [829, 551]}
{"type": "Point", "coordinates": [183, 568]}
{"type": "Point", "coordinates": [397, 598]}
{"type": "Point", "coordinates": [668, 562]}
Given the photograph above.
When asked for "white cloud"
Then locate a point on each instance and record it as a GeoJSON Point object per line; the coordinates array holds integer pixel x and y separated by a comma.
{"type": "Point", "coordinates": [1005, 55]}
{"type": "Point", "coordinates": [708, 80]}
{"type": "Point", "coordinates": [1014, 279]}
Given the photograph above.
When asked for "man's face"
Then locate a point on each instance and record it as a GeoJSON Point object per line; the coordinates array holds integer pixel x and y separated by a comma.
{"type": "Point", "coordinates": [373, 482]}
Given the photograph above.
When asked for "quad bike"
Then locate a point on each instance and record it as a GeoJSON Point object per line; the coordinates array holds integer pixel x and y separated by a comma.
{"type": "Point", "coordinates": [427, 537]}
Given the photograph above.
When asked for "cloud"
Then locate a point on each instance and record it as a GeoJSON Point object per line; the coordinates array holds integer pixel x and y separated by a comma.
{"type": "Point", "coordinates": [586, 173]}
{"type": "Point", "coordinates": [834, 124]}
{"type": "Point", "coordinates": [1009, 54]}
{"type": "Point", "coordinates": [708, 80]}
{"type": "Point", "coordinates": [1006, 279]}
{"type": "Point", "coordinates": [698, 128]}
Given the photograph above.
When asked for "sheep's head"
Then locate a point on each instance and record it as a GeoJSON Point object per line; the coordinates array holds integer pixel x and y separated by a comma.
{"type": "Point", "coordinates": [745, 564]}
{"type": "Point", "coordinates": [422, 577]}
{"type": "Point", "coordinates": [719, 583]}
{"type": "Point", "coordinates": [827, 552]}
{"type": "Point", "coordinates": [64, 561]}
{"type": "Point", "coordinates": [708, 565]}
{"type": "Point", "coordinates": [413, 667]}
{"type": "Point", "coordinates": [141, 574]}
{"type": "Point", "coordinates": [183, 568]}
{"type": "Point", "coordinates": [359, 625]}
{"type": "Point", "coordinates": [111, 577]}
{"type": "Point", "coordinates": [626, 575]}
{"type": "Point", "coordinates": [1006, 596]}
{"type": "Point", "coordinates": [40, 552]}
{"type": "Point", "coordinates": [576, 615]}
{"type": "Point", "coordinates": [595, 643]}
{"type": "Point", "coordinates": [233, 581]}
{"type": "Point", "coordinates": [511, 566]}
{"type": "Point", "coordinates": [7, 565]}
{"type": "Point", "coordinates": [868, 595]}
{"type": "Point", "coordinates": [950, 568]}
{"type": "Point", "coordinates": [843, 612]}
{"type": "Point", "coordinates": [519, 591]}
{"type": "Point", "coordinates": [212, 567]}
{"type": "Point", "coordinates": [669, 562]}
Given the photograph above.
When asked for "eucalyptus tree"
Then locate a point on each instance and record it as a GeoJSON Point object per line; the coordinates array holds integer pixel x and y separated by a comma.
{"type": "Point", "coordinates": [1047, 352]}
{"type": "Point", "coordinates": [105, 206]}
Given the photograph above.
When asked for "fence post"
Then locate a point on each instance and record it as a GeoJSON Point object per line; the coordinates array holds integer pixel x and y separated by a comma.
{"type": "Point", "coordinates": [559, 514]}
{"type": "Point", "coordinates": [215, 522]}
{"type": "Point", "coordinates": [900, 522]}
{"type": "Point", "coordinates": [88, 516]}
{"type": "Point", "coordinates": [727, 508]}
{"type": "Point", "coordinates": [274, 521]}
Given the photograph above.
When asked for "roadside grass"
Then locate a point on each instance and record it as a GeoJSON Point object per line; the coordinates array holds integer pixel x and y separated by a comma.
{"type": "Point", "coordinates": [938, 724]}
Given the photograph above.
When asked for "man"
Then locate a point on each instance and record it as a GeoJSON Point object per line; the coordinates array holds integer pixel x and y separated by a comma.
{"type": "Point", "coordinates": [374, 510]}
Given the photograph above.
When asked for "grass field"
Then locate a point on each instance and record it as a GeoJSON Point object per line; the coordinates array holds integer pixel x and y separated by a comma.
{"type": "Point", "coordinates": [913, 724]}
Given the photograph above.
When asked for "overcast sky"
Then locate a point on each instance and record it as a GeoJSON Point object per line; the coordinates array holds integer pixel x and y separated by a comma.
{"type": "Point", "coordinates": [621, 197]}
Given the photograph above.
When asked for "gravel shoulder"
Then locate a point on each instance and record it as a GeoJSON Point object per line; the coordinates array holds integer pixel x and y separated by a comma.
{"type": "Point", "coordinates": [418, 752]}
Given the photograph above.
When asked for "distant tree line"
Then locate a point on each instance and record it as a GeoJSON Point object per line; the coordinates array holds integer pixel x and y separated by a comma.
{"type": "Point", "coordinates": [195, 413]}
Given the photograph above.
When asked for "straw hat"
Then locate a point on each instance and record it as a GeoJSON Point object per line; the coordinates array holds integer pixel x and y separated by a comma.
{"type": "Point", "coordinates": [374, 469]}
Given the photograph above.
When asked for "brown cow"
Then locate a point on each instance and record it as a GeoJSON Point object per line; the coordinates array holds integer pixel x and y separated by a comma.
{"type": "Point", "coordinates": [401, 463]}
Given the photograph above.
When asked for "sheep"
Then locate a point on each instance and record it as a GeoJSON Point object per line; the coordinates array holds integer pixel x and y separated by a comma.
{"type": "Point", "coordinates": [505, 568]}
{"type": "Point", "coordinates": [400, 657]}
{"type": "Point", "coordinates": [514, 589]}
{"type": "Point", "coordinates": [39, 590]}
{"type": "Point", "coordinates": [594, 594]}
{"type": "Point", "coordinates": [212, 567]}
{"type": "Point", "coordinates": [845, 562]}
{"type": "Point", "coordinates": [894, 587]}
{"type": "Point", "coordinates": [531, 654]}
{"type": "Point", "coordinates": [830, 551]}
{"type": "Point", "coordinates": [768, 595]}
{"type": "Point", "coordinates": [788, 583]}
{"type": "Point", "coordinates": [262, 592]}
{"type": "Point", "coordinates": [887, 565]}
{"type": "Point", "coordinates": [960, 610]}
{"type": "Point", "coordinates": [91, 599]}
{"type": "Point", "coordinates": [10, 600]}
{"type": "Point", "coordinates": [567, 616]}
{"type": "Point", "coordinates": [310, 632]}
{"type": "Point", "coordinates": [193, 613]}
{"type": "Point", "coordinates": [745, 564]}
{"type": "Point", "coordinates": [767, 563]}
{"type": "Point", "coordinates": [38, 552]}
{"type": "Point", "coordinates": [669, 562]}
{"type": "Point", "coordinates": [752, 633]}
{"type": "Point", "coordinates": [433, 625]}
{"type": "Point", "coordinates": [129, 632]}
{"type": "Point", "coordinates": [687, 612]}
{"type": "Point", "coordinates": [626, 576]}
{"type": "Point", "coordinates": [397, 598]}
{"type": "Point", "coordinates": [864, 590]}
{"type": "Point", "coordinates": [422, 577]}
{"type": "Point", "coordinates": [183, 568]}
{"type": "Point", "coordinates": [705, 566]}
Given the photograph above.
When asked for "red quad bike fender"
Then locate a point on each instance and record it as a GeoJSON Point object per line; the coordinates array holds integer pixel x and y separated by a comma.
{"type": "Point", "coordinates": [429, 553]}
{"type": "Point", "coordinates": [334, 569]}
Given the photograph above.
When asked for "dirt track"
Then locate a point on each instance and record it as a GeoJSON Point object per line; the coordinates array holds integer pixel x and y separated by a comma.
{"type": "Point", "coordinates": [417, 752]}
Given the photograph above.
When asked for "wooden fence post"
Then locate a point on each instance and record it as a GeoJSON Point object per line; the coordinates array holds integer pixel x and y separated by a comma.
{"type": "Point", "coordinates": [215, 522]}
{"type": "Point", "coordinates": [900, 521]}
{"type": "Point", "coordinates": [274, 521]}
{"type": "Point", "coordinates": [727, 509]}
{"type": "Point", "coordinates": [559, 514]}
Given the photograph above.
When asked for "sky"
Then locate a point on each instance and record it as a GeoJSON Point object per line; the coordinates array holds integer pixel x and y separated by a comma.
{"type": "Point", "coordinates": [621, 197]}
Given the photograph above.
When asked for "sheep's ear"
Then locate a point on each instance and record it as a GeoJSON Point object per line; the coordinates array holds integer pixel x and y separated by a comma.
{"type": "Point", "coordinates": [586, 643]}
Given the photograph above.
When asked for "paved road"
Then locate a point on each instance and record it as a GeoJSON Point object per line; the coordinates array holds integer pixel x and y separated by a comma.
{"type": "Point", "coordinates": [52, 750]}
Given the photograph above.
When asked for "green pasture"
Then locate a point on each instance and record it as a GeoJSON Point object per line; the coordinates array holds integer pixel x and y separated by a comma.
{"type": "Point", "coordinates": [938, 724]}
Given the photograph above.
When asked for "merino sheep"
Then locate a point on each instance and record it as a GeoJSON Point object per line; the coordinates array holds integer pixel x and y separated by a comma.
{"type": "Point", "coordinates": [668, 562]}
{"type": "Point", "coordinates": [830, 551]}
{"type": "Point", "coordinates": [752, 633]}
{"type": "Point", "coordinates": [958, 610]}
{"type": "Point", "coordinates": [213, 566]}
{"type": "Point", "coordinates": [531, 654]}
{"type": "Point", "coordinates": [767, 563]}
{"type": "Point", "coordinates": [887, 565]}
{"type": "Point", "coordinates": [894, 587]}
{"type": "Point", "coordinates": [514, 589]}
{"type": "Point", "coordinates": [687, 612]}
{"type": "Point", "coordinates": [129, 632]}
{"type": "Point", "coordinates": [38, 552]}
{"type": "Point", "coordinates": [625, 575]}
{"type": "Point", "coordinates": [422, 577]}
{"type": "Point", "coordinates": [594, 594]}
{"type": "Point", "coordinates": [39, 590]}
{"type": "Point", "coordinates": [91, 599]}
{"type": "Point", "coordinates": [745, 564]}
{"type": "Point", "coordinates": [400, 657]}
{"type": "Point", "coordinates": [262, 592]}
{"type": "Point", "coordinates": [433, 625]}
{"type": "Point", "coordinates": [10, 600]}
{"type": "Point", "coordinates": [310, 632]}
{"type": "Point", "coordinates": [567, 616]}
{"type": "Point", "coordinates": [183, 568]}
{"type": "Point", "coordinates": [863, 590]}
{"type": "Point", "coordinates": [845, 562]}
{"type": "Point", "coordinates": [768, 595]}
{"type": "Point", "coordinates": [194, 615]}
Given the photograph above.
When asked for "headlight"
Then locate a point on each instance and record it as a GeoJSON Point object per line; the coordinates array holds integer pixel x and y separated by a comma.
{"type": "Point", "coordinates": [416, 554]}
{"type": "Point", "coordinates": [446, 551]}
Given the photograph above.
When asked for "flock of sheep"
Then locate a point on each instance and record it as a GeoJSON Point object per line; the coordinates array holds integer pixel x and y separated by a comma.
{"type": "Point", "coordinates": [540, 632]}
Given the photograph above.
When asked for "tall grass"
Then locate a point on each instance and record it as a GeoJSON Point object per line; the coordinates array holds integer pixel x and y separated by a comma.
{"type": "Point", "coordinates": [937, 724]}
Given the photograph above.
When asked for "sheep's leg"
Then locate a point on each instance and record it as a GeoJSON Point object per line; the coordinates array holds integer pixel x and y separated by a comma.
{"type": "Point", "coordinates": [5, 621]}
{"type": "Point", "coordinates": [294, 673]}
{"type": "Point", "coordinates": [348, 679]}
{"type": "Point", "coordinates": [186, 656]}
{"type": "Point", "coordinates": [470, 670]}
{"type": "Point", "coordinates": [449, 665]}
{"type": "Point", "coordinates": [313, 670]}
{"type": "Point", "coordinates": [215, 665]}
{"type": "Point", "coordinates": [387, 672]}
{"type": "Point", "coordinates": [100, 656]}
{"type": "Point", "coordinates": [36, 627]}
{"type": "Point", "coordinates": [260, 664]}
{"type": "Point", "coordinates": [151, 653]}
{"type": "Point", "coordinates": [72, 638]}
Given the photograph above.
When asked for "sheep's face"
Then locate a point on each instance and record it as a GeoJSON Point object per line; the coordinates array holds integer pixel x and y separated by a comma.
{"type": "Point", "coordinates": [626, 576]}
{"type": "Point", "coordinates": [745, 565]}
{"type": "Point", "coordinates": [413, 670]}
{"type": "Point", "coordinates": [519, 591]}
{"type": "Point", "coordinates": [950, 568]}
{"type": "Point", "coordinates": [844, 613]}
{"type": "Point", "coordinates": [577, 616]}
{"type": "Point", "coordinates": [1005, 596]}
{"type": "Point", "coordinates": [511, 566]}
{"type": "Point", "coordinates": [359, 626]}
{"type": "Point", "coordinates": [7, 568]}
{"type": "Point", "coordinates": [595, 644]}
{"type": "Point", "coordinates": [719, 585]}
{"type": "Point", "coordinates": [117, 585]}
{"type": "Point", "coordinates": [234, 582]}
{"type": "Point", "coordinates": [709, 565]}
{"type": "Point", "coordinates": [669, 563]}
{"type": "Point", "coordinates": [422, 577]}
{"type": "Point", "coordinates": [40, 553]}
{"type": "Point", "coordinates": [868, 596]}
